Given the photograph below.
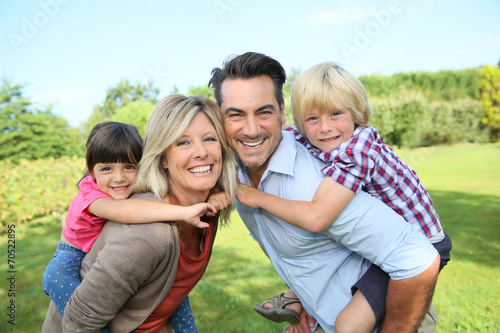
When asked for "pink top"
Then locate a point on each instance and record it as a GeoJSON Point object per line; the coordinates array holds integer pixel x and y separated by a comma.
{"type": "Point", "coordinates": [82, 228]}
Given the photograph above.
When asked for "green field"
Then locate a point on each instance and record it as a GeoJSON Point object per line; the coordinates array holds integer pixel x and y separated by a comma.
{"type": "Point", "coordinates": [464, 183]}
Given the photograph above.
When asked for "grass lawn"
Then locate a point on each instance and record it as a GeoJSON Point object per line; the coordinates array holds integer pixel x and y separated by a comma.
{"type": "Point", "coordinates": [463, 182]}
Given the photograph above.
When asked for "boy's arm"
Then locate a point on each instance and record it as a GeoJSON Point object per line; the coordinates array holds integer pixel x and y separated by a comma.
{"type": "Point", "coordinates": [219, 200]}
{"type": "Point", "coordinates": [147, 211]}
{"type": "Point", "coordinates": [328, 202]}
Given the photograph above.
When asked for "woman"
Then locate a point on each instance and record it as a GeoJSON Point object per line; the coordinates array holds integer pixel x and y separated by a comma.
{"type": "Point", "coordinates": [136, 275]}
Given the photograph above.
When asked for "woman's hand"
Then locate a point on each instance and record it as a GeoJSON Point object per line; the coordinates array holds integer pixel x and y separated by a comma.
{"type": "Point", "coordinates": [195, 212]}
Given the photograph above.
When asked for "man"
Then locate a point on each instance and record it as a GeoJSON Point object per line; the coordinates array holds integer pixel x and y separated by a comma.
{"type": "Point", "coordinates": [319, 268]}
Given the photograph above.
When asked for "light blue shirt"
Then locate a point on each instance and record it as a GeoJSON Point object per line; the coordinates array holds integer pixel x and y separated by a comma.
{"type": "Point", "coordinates": [321, 267]}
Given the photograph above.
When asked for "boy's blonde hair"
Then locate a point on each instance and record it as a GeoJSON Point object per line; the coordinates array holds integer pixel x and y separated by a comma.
{"type": "Point", "coordinates": [326, 87]}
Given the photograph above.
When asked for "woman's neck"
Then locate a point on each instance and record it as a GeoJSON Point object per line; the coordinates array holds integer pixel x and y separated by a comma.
{"type": "Point", "coordinates": [189, 235]}
{"type": "Point", "coordinates": [186, 199]}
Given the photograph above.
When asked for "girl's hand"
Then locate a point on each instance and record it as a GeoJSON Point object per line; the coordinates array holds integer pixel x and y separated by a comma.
{"type": "Point", "coordinates": [218, 200]}
{"type": "Point", "coordinates": [195, 212]}
{"type": "Point", "coordinates": [249, 196]}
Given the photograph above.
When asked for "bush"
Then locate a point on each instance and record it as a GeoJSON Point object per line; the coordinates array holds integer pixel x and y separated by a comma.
{"type": "Point", "coordinates": [407, 118]}
{"type": "Point", "coordinates": [35, 188]}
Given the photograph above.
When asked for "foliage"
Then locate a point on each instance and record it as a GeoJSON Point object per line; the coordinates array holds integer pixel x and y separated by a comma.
{"type": "Point", "coordinates": [119, 96]}
{"type": "Point", "coordinates": [406, 118]}
{"type": "Point", "coordinates": [27, 133]}
{"type": "Point", "coordinates": [490, 98]}
{"type": "Point", "coordinates": [204, 91]}
{"type": "Point", "coordinates": [35, 188]}
{"type": "Point", "coordinates": [135, 113]}
{"type": "Point", "coordinates": [445, 85]}
{"type": "Point", "coordinates": [287, 89]}
{"type": "Point", "coordinates": [239, 275]}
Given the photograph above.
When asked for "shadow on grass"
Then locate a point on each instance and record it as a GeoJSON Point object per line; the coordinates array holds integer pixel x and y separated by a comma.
{"type": "Point", "coordinates": [473, 223]}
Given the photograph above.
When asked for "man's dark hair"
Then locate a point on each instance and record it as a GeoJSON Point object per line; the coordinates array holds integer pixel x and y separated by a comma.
{"type": "Point", "coordinates": [248, 66]}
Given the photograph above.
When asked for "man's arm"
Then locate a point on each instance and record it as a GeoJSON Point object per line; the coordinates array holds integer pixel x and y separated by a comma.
{"type": "Point", "coordinates": [408, 301]}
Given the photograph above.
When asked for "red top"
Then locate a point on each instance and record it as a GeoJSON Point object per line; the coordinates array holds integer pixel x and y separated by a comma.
{"type": "Point", "coordinates": [189, 272]}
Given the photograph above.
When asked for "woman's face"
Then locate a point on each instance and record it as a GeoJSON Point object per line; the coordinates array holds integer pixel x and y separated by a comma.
{"type": "Point", "coordinates": [194, 162]}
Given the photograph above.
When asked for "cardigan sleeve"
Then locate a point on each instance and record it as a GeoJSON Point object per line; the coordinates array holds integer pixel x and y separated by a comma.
{"type": "Point", "coordinates": [134, 264]}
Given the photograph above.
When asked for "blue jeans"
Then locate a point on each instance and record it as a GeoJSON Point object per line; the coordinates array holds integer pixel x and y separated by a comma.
{"type": "Point", "coordinates": [62, 276]}
{"type": "Point", "coordinates": [182, 319]}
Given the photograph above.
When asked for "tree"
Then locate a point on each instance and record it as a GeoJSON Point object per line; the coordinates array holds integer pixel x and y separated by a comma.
{"type": "Point", "coordinates": [119, 96]}
{"type": "Point", "coordinates": [287, 89]}
{"type": "Point", "coordinates": [136, 113]}
{"type": "Point", "coordinates": [28, 133]}
{"type": "Point", "coordinates": [204, 91]}
{"type": "Point", "coordinates": [490, 98]}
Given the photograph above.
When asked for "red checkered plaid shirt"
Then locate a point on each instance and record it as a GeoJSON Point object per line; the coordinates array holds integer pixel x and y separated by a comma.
{"type": "Point", "coordinates": [365, 162]}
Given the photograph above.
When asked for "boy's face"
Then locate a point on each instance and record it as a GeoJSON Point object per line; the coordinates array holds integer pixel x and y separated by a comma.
{"type": "Point", "coordinates": [115, 179]}
{"type": "Point", "coordinates": [328, 130]}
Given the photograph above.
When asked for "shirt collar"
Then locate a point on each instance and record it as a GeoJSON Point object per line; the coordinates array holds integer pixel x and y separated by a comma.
{"type": "Point", "coordinates": [283, 159]}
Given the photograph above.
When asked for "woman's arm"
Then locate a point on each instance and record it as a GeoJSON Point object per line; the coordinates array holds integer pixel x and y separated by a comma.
{"type": "Point", "coordinates": [328, 202]}
{"type": "Point", "coordinates": [129, 267]}
{"type": "Point", "coordinates": [147, 211]}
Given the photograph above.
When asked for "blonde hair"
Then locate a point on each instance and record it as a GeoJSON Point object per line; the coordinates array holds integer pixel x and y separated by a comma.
{"type": "Point", "coordinates": [169, 121]}
{"type": "Point", "coordinates": [326, 87]}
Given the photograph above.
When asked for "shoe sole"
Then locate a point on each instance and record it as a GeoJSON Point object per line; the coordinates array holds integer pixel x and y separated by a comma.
{"type": "Point", "coordinates": [278, 315]}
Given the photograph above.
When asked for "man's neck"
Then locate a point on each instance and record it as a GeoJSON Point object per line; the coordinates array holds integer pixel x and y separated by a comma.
{"type": "Point", "coordinates": [255, 176]}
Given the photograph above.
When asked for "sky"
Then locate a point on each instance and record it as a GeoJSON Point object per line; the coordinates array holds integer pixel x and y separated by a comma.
{"type": "Point", "coordinates": [67, 53]}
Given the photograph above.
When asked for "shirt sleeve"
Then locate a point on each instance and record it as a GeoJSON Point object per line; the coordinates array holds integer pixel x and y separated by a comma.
{"type": "Point", "coordinates": [354, 163]}
{"type": "Point", "coordinates": [90, 193]}
{"type": "Point", "coordinates": [298, 137]}
{"type": "Point", "coordinates": [373, 230]}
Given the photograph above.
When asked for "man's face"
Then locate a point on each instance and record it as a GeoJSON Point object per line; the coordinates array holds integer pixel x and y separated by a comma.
{"type": "Point", "coordinates": [253, 119]}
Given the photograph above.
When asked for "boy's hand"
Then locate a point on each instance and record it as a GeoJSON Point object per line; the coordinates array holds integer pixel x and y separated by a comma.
{"type": "Point", "coordinates": [218, 200]}
{"type": "Point", "coordinates": [249, 196]}
{"type": "Point", "coordinates": [195, 212]}
{"type": "Point", "coordinates": [306, 323]}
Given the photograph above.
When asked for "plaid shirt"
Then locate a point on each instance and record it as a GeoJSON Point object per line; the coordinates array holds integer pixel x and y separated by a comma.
{"type": "Point", "coordinates": [365, 162]}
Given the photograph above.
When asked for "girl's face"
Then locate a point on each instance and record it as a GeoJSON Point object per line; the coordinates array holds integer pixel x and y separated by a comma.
{"type": "Point", "coordinates": [115, 179]}
{"type": "Point", "coordinates": [328, 130]}
{"type": "Point", "coordinates": [194, 161]}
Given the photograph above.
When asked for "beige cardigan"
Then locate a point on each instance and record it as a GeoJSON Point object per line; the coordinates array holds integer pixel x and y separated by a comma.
{"type": "Point", "coordinates": [133, 269]}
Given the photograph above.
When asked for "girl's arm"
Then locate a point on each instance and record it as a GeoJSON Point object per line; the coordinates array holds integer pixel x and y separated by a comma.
{"type": "Point", "coordinates": [147, 211]}
{"type": "Point", "coordinates": [328, 202]}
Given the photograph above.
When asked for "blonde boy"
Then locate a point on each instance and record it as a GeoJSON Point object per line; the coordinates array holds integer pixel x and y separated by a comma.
{"type": "Point", "coordinates": [331, 113]}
